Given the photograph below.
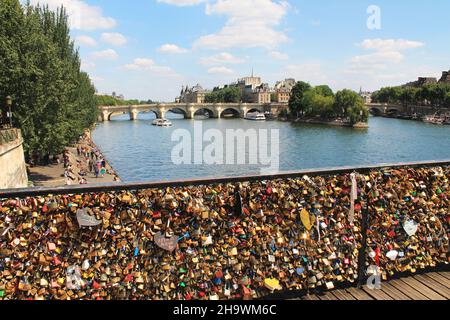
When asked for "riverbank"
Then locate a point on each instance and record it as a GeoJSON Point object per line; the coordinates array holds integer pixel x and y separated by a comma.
{"type": "Point", "coordinates": [78, 170]}
{"type": "Point", "coordinates": [336, 123]}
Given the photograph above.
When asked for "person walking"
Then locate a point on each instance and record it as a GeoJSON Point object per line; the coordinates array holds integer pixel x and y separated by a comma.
{"type": "Point", "coordinates": [96, 171]}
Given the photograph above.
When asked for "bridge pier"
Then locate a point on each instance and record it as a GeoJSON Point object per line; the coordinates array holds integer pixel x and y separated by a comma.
{"type": "Point", "coordinates": [133, 114]}
{"type": "Point", "coordinates": [104, 116]}
{"type": "Point", "coordinates": [244, 111]}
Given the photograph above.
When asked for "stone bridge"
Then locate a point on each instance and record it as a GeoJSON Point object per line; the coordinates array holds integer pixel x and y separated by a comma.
{"type": "Point", "coordinates": [189, 110]}
{"type": "Point", "coordinates": [379, 109]}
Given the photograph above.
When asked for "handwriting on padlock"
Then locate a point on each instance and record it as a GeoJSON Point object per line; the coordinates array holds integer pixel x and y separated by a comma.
{"type": "Point", "coordinates": [168, 244]}
{"type": "Point", "coordinates": [85, 220]}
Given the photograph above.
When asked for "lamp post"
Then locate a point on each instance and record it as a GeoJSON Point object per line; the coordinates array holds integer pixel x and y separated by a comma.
{"type": "Point", "coordinates": [9, 104]}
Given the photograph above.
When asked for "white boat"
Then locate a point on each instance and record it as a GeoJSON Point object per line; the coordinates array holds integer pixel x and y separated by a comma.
{"type": "Point", "coordinates": [162, 123]}
{"type": "Point", "coordinates": [434, 119]}
{"type": "Point", "coordinates": [255, 116]}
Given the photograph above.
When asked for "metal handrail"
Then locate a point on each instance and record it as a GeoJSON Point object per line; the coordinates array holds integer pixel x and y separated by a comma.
{"type": "Point", "coordinates": [42, 191]}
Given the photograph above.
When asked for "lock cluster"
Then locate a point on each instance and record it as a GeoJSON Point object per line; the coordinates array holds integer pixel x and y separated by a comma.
{"type": "Point", "coordinates": [225, 241]}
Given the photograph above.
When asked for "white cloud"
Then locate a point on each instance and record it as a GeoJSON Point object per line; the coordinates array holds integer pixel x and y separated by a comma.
{"type": "Point", "coordinates": [310, 72]}
{"type": "Point", "coordinates": [115, 39]}
{"type": "Point", "coordinates": [105, 54]}
{"type": "Point", "coordinates": [96, 79]}
{"type": "Point", "coordinates": [182, 3]}
{"type": "Point", "coordinates": [82, 16]}
{"type": "Point", "coordinates": [387, 53]}
{"type": "Point", "coordinates": [146, 64]}
{"type": "Point", "coordinates": [87, 65]}
{"type": "Point", "coordinates": [378, 58]}
{"type": "Point", "coordinates": [171, 49]}
{"type": "Point", "coordinates": [87, 41]}
{"type": "Point", "coordinates": [390, 44]}
{"type": "Point", "coordinates": [251, 23]}
{"type": "Point", "coordinates": [220, 70]}
{"type": "Point", "coordinates": [278, 55]}
{"type": "Point", "coordinates": [221, 58]}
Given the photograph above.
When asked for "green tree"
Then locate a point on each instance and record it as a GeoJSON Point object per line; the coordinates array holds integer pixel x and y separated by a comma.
{"type": "Point", "coordinates": [40, 69]}
{"type": "Point", "coordinates": [324, 91]}
{"type": "Point", "coordinates": [408, 95]}
{"type": "Point", "coordinates": [350, 105]}
{"type": "Point", "coordinates": [316, 104]}
{"type": "Point", "coordinates": [225, 95]}
{"type": "Point", "coordinates": [447, 100]}
{"type": "Point", "coordinates": [295, 102]}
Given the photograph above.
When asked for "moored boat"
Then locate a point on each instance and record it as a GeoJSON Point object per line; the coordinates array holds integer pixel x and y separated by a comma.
{"type": "Point", "coordinates": [162, 123]}
{"type": "Point", "coordinates": [255, 116]}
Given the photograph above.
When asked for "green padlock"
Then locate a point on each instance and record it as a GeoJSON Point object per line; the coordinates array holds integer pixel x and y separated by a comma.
{"type": "Point", "coordinates": [2, 293]}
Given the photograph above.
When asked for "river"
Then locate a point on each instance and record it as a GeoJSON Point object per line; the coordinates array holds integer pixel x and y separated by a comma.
{"type": "Point", "coordinates": [140, 152]}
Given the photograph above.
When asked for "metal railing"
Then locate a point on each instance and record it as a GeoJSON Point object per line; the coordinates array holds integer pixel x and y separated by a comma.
{"type": "Point", "coordinates": [39, 191]}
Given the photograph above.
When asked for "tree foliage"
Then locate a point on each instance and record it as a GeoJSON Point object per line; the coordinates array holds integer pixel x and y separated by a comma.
{"type": "Point", "coordinates": [225, 95]}
{"type": "Point", "coordinates": [320, 101]}
{"type": "Point", "coordinates": [104, 100]}
{"type": "Point", "coordinates": [350, 105]}
{"type": "Point", "coordinates": [53, 101]}
{"type": "Point", "coordinates": [295, 102]}
{"type": "Point", "coordinates": [429, 94]}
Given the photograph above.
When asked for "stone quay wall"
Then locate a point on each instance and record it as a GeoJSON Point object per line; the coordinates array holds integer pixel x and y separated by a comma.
{"type": "Point", "coordinates": [235, 238]}
{"type": "Point", "coordinates": [13, 173]}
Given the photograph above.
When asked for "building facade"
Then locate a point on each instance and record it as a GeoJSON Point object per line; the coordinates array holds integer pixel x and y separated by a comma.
{"type": "Point", "coordinates": [445, 77]}
{"type": "Point", "coordinates": [195, 94]}
{"type": "Point", "coordinates": [282, 95]}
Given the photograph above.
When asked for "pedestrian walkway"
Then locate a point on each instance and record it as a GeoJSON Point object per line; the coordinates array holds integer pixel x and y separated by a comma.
{"type": "Point", "coordinates": [53, 174]}
{"type": "Point", "coordinates": [427, 286]}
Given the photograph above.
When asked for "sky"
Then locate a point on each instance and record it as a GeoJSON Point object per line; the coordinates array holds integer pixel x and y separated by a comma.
{"type": "Point", "coordinates": [148, 49]}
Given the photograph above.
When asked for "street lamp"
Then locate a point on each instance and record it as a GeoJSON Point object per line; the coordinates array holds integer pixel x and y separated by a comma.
{"type": "Point", "coordinates": [9, 104]}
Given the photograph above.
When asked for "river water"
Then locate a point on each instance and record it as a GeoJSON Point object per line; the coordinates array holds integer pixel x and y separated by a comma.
{"type": "Point", "coordinates": [141, 152]}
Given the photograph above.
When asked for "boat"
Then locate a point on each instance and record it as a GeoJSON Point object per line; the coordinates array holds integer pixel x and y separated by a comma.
{"type": "Point", "coordinates": [434, 119]}
{"type": "Point", "coordinates": [162, 123]}
{"type": "Point", "coordinates": [447, 120]}
{"type": "Point", "coordinates": [255, 116]}
{"type": "Point", "coordinates": [270, 116]}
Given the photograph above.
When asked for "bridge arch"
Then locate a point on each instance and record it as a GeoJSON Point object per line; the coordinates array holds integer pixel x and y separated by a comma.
{"type": "Point", "coordinates": [392, 111]}
{"type": "Point", "coordinates": [115, 113]}
{"type": "Point", "coordinates": [375, 111]}
{"type": "Point", "coordinates": [178, 111]}
{"type": "Point", "coordinates": [254, 109]}
{"type": "Point", "coordinates": [156, 112]}
{"type": "Point", "coordinates": [205, 110]}
{"type": "Point", "coordinates": [230, 113]}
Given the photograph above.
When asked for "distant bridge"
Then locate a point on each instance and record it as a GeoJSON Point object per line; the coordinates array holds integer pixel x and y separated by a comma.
{"type": "Point", "coordinates": [379, 109]}
{"type": "Point", "coordinates": [189, 110]}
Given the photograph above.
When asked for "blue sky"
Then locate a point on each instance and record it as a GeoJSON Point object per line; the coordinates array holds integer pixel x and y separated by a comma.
{"type": "Point", "coordinates": [148, 49]}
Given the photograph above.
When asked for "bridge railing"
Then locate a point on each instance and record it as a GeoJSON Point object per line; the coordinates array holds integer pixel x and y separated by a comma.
{"type": "Point", "coordinates": [224, 238]}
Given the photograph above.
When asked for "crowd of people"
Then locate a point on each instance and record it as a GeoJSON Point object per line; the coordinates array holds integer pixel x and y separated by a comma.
{"type": "Point", "coordinates": [87, 163]}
